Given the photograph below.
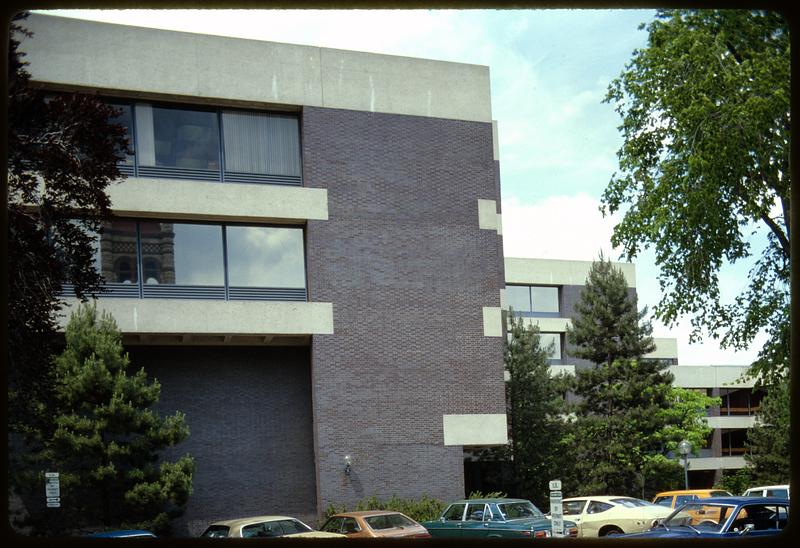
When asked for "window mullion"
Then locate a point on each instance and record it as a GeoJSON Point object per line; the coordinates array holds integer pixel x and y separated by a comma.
{"type": "Point", "coordinates": [225, 261]}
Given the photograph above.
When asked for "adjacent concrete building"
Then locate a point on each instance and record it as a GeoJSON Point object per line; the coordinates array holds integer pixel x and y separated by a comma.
{"type": "Point", "coordinates": [306, 253]}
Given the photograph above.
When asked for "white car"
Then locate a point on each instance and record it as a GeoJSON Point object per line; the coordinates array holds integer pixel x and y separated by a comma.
{"type": "Point", "coordinates": [780, 491]}
{"type": "Point", "coordinates": [603, 515]}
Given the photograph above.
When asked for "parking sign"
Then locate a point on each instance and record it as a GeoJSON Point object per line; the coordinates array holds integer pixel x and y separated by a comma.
{"type": "Point", "coordinates": [556, 509]}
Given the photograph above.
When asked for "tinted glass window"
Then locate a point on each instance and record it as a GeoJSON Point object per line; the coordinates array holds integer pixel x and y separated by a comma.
{"type": "Point", "coordinates": [261, 143]}
{"type": "Point", "coordinates": [544, 299]}
{"type": "Point", "coordinates": [518, 298]}
{"type": "Point", "coordinates": [596, 507]}
{"type": "Point", "coordinates": [180, 138]}
{"type": "Point", "coordinates": [183, 254]}
{"type": "Point", "coordinates": [683, 499]}
{"type": "Point", "coordinates": [573, 507]}
{"type": "Point", "coordinates": [265, 257]}
{"type": "Point", "coordinates": [514, 510]}
{"type": "Point", "coordinates": [125, 119]}
{"type": "Point", "coordinates": [350, 525]}
{"type": "Point", "coordinates": [454, 512]}
{"type": "Point", "coordinates": [216, 531]}
{"type": "Point", "coordinates": [780, 493]}
{"type": "Point", "coordinates": [475, 512]}
{"type": "Point", "coordinates": [664, 501]}
{"type": "Point", "coordinates": [264, 529]}
{"type": "Point", "coordinates": [399, 520]}
{"type": "Point", "coordinates": [292, 526]}
{"type": "Point", "coordinates": [333, 525]}
{"type": "Point", "coordinates": [117, 252]}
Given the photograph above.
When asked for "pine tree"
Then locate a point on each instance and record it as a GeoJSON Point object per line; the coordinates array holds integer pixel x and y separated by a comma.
{"type": "Point", "coordinates": [768, 442]}
{"type": "Point", "coordinates": [537, 411]}
{"type": "Point", "coordinates": [626, 419]}
{"type": "Point", "coordinates": [107, 436]}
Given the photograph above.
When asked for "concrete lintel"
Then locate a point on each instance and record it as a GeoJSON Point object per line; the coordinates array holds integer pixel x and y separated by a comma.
{"type": "Point", "coordinates": [492, 321]}
{"type": "Point", "coordinates": [475, 429]}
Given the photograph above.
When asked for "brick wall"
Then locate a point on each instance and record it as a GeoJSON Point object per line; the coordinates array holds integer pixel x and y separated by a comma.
{"type": "Point", "coordinates": [249, 413]}
{"type": "Point", "coordinates": [408, 271]}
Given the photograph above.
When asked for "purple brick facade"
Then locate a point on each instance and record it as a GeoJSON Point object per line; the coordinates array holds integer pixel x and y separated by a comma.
{"type": "Point", "coordinates": [249, 414]}
{"type": "Point", "coordinates": [408, 271]}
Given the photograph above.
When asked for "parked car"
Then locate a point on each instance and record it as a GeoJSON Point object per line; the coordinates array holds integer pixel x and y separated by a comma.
{"type": "Point", "coordinates": [375, 523]}
{"type": "Point", "coordinates": [607, 515]}
{"type": "Point", "coordinates": [673, 499]}
{"type": "Point", "coordinates": [263, 527]}
{"type": "Point", "coordinates": [494, 518]}
{"type": "Point", "coordinates": [781, 491]}
{"type": "Point", "coordinates": [723, 517]}
{"type": "Point", "coordinates": [126, 533]}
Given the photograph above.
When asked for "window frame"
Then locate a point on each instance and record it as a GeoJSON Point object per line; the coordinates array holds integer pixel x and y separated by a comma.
{"type": "Point", "coordinates": [222, 174]}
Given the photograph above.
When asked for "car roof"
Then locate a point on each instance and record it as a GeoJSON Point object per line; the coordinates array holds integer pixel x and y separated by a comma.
{"type": "Point", "coordinates": [488, 501]}
{"type": "Point", "coordinates": [686, 492]}
{"type": "Point", "coordinates": [741, 500]}
{"type": "Point", "coordinates": [601, 498]}
{"type": "Point", "coordinates": [244, 521]}
{"type": "Point", "coordinates": [123, 533]}
{"type": "Point", "coordinates": [365, 513]}
{"type": "Point", "coordinates": [768, 487]}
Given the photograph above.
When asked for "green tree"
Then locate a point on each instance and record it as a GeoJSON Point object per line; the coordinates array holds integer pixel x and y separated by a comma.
{"type": "Point", "coordinates": [63, 151]}
{"type": "Point", "coordinates": [537, 413]}
{"type": "Point", "coordinates": [704, 173]}
{"type": "Point", "coordinates": [107, 437]}
{"type": "Point", "coordinates": [768, 442]}
{"type": "Point", "coordinates": [629, 416]}
{"type": "Point", "coordinates": [606, 326]}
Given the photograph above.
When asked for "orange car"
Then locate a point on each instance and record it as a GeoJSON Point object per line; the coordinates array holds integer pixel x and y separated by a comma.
{"type": "Point", "coordinates": [375, 523]}
{"type": "Point", "coordinates": [674, 499]}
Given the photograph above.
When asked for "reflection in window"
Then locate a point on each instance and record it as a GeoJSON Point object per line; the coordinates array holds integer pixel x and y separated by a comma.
{"type": "Point", "coordinates": [265, 257]}
{"type": "Point", "coordinates": [117, 252]}
{"type": "Point", "coordinates": [544, 299]}
{"type": "Point", "coordinates": [554, 339]}
{"type": "Point", "coordinates": [181, 138]}
{"type": "Point", "coordinates": [182, 254]}
{"type": "Point", "coordinates": [125, 119]}
{"type": "Point", "coordinates": [533, 300]}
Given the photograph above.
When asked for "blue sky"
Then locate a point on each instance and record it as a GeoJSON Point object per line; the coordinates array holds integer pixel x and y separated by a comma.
{"type": "Point", "coordinates": [549, 73]}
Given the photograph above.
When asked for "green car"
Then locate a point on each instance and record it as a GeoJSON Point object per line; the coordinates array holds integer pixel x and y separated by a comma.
{"type": "Point", "coordinates": [494, 518]}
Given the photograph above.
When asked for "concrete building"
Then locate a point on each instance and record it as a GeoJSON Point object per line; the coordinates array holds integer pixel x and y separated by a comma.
{"type": "Point", "coordinates": [306, 253]}
{"type": "Point", "coordinates": [544, 292]}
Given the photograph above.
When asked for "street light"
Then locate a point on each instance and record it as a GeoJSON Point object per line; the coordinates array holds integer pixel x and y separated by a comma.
{"type": "Point", "coordinates": [684, 448]}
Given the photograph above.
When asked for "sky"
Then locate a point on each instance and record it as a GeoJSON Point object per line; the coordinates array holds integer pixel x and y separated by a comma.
{"type": "Point", "coordinates": [549, 71]}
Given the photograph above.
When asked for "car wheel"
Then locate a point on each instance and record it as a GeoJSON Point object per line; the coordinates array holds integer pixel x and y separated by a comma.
{"type": "Point", "coordinates": [610, 531]}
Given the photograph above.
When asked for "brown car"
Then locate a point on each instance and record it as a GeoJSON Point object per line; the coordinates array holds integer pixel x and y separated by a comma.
{"type": "Point", "coordinates": [375, 523]}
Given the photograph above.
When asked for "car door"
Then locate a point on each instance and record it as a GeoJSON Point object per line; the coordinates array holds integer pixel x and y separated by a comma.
{"type": "Point", "coordinates": [476, 521]}
{"type": "Point", "coordinates": [451, 523]}
{"type": "Point", "coordinates": [758, 520]}
{"type": "Point", "coordinates": [594, 517]}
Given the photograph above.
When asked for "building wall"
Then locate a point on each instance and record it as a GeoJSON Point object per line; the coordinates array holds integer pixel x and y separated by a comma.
{"type": "Point", "coordinates": [249, 414]}
{"type": "Point", "coordinates": [408, 269]}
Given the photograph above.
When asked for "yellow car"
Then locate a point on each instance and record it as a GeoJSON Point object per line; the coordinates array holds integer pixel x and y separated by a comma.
{"type": "Point", "coordinates": [608, 515]}
{"type": "Point", "coordinates": [674, 499]}
{"type": "Point", "coordinates": [264, 527]}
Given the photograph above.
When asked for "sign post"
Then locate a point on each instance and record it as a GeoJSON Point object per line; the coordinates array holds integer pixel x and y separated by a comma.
{"type": "Point", "coordinates": [556, 509]}
{"type": "Point", "coordinates": [52, 489]}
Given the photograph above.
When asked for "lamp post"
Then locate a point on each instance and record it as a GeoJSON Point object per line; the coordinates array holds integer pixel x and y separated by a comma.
{"type": "Point", "coordinates": [684, 447]}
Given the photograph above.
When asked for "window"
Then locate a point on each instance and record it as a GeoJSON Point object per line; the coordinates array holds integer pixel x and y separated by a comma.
{"type": "Point", "coordinates": [683, 499]}
{"type": "Point", "coordinates": [349, 525]}
{"type": "Point", "coordinates": [664, 501]}
{"type": "Point", "coordinates": [596, 507]}
{"type": "Point", "coordinates": [333, 525]}
{"type": "Point", "coordinates": [573, 507]}
{"type": "Point", "coordinates": [455, 512]}
{"type": "Point", "coordinates": [236, 146]}
{"type": "Point", "coordinates": [216, 531]}
{"type": "Point", "coordinates": [207, 261]}
{"type": "Point", "coordinates": [779, 493]}
{"type": "Point", "coordinates": [475, 512]}
{"type": "Point", "coordinates": [292, 526]}
{"type": "Point", "coordinates": [533, 300]}
{"type": "Point", "coordinates": [554, 339]}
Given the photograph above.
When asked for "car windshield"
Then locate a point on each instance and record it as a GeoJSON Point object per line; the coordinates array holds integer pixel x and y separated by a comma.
{"type": "Point", "coordinates": [388, 521]}
{"type": "Point", "coordinates": [517, 510]}
{"type": "Point", "coordinates": [632, 503]}
{"type": "Point", "coordinates": [708, 517]}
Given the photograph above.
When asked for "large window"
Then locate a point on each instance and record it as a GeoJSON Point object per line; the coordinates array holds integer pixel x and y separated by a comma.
{"type": "Point", "coordinates": [533, 300]}
{"type": "Point", "coordinates": [211, 144]}
{"type": "Point", "coordinates": [192, 260]}
{"type": "Point", "coordinates": [551, 342]}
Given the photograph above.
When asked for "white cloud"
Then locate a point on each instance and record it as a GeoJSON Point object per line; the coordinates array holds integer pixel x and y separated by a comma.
{"type": "Point", "coordinates": [558, 227]}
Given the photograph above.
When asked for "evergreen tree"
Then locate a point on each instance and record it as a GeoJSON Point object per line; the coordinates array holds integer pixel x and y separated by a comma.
{"type": "Point", "coordinates": [628, 416]}
{"type": "Point", "coordinates": [537, 413]}
{"type": "Point", "coordinates": [768, 442]}
{"type": "Point", "coordinates": [107, 436]}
